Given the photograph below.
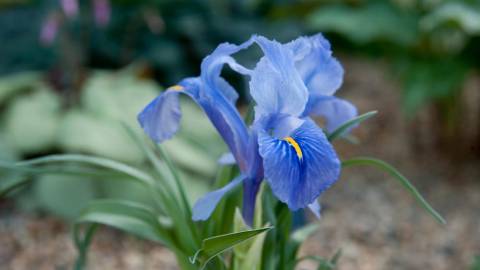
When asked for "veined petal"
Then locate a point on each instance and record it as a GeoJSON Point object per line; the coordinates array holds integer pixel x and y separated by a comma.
{"type": "Point", "coordinates": [336, 111]}
{"type": "Point", "coordinates": [204, 207]}
{"type": "Point", "coordinates": [160, 118]}
{"type": "Point", "coordinates": [275, 84]}
{"type": "Point", "coordinates": [300, 167]}
{"type": "Point", "coordinates": [320, 71]}
{"type": "Point", "coordinates": [212, 66]}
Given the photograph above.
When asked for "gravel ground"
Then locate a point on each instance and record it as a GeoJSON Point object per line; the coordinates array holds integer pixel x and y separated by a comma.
{"type": "Point", "coordinates": [367, 214]}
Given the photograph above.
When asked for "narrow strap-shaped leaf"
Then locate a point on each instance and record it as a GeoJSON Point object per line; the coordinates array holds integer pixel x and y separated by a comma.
{"type": "Point", "coordinates": [398, 176]}
{"type": "Point", "coordinates": [127, 216]}
{"type": "Point", "coordinates": [83, 243]}
{"type": "Point", "coordinates": [350, 123]}
{"type": "Point", "coordinates": [98, 161]}
{"type": "Point", "coordinates": [215, 245]}
{"type": "Point", "coordinates": [12, 184]}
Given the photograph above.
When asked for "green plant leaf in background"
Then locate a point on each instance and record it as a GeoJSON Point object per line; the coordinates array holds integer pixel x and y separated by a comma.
{"type": "Point", "coordinates": [367, 23]}
{"type": "Point", "coordinates": [32, 120]}
{"type": "Point", "coordinates": [213, 246]}
{"type": "Point", "coordinates": [19, 82]}
{"type": "Point", "coordinates": [476, 263]}
{"type": "Point", "coordinates": [400, 178]}
{"type": "Point", "coordinates": [63, 195]}
{"type": "Point", "coordinates": [127, 216]}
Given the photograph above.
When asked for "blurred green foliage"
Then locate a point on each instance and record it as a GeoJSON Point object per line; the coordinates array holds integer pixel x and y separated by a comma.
{"type": "Point", "coordinates": [35, 120]}
{"type": "Point", "coordinates": [432, 45]}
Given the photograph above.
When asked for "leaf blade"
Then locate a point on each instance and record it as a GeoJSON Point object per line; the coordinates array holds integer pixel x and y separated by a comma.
{"type": "Point", "coordinates": [400, 178]}
{"type": "Point", "coordinates": [350, 123]}
{"type": "Point", "coordinates": [213, 246]}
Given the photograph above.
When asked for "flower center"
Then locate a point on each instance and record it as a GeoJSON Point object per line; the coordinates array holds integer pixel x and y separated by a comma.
{"type": "Point", "coordinates": [295, 146]}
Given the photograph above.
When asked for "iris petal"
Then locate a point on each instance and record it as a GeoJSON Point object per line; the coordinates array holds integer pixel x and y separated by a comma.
{"type": "Point", "coordinates": [320, 71]}
{"type": "Point", "coordinates": [275, 84]}
{"type": "Point", "coordinates": [205, 206]}
{"type": "Point", "coordinates": [296, 177]}
{"type": "Point", "coordinates": [336, 111]}
{"type": "Point", "coordinates": [315, 208]}
{"type": "Point", "coordinates": [160, 118]}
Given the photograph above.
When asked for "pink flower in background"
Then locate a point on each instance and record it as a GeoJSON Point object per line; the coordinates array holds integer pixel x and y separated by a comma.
{"type": "Point", "coordinates": [50, 28]}
{"type": "Point", "coordinates": [101, 10]}
{"type": "Point", "coordinates": [70, 7]}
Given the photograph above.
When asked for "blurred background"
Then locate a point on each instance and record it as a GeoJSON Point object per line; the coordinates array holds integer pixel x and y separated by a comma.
{"type": "Point", "coordinates": [72, 71]}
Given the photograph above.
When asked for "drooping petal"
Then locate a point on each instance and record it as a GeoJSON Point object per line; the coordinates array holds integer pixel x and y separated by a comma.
{"type": "Point", "coordinates": [320, 71]}
{"type": "Point", "coordinates": [213, 94]}
{"type": "Point", "coordinates": [300, 167]}
{"type": "Point", "coordinates": [275, 84]}
{"type": "Point", "coordinates": [160, 118]}
{"type": "Point", "coordinates": [204, 207]}
{"type": "Point", "coordinates": [315, 208]}
{"type": "Point", "coordinates": [336, 111]}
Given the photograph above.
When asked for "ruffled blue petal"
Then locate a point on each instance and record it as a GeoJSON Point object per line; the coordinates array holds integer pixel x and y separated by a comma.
{"type": "Point", "coordinates": [319, 70]}
{"type": "Point", "coordinates": [298, 174]}
{"type": "Point", "coordinates": [275, 84]}
{"type": "Point", "coordinates": [204, 207]}
{"type": "Point", "coordinates": [336, 111]}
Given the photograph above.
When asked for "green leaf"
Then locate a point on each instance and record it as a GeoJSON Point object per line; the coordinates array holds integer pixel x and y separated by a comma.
{"type": "Point", "coordinates": [83, 243]}
{"type": "Point", "coordinates": [64, 195]}
{"type": "Point", "coordinates": [105, 138]}
{"type": "Point", "coordinates": [127, 216]}
{"type": "Point", "coordinates": [213, 246]}
{"type": "Point", "coordinates": [379, 20]}
{"type": "Point", "coordinates": [12, 182]}
{"type": "Point", "coordinates": [476, 263]}
{"type": "Point", "coordinates": [10, 85]}
{"type": "Point", "coordinates": [398, 176]}
{"type": "Point", "coordinates": [350, 123]}
{"type": "Point", "coordinates": [303, 233]}
{"type": "Point", "coordinates": [92, 160]}
{"type": "Point", "coordinates": [32, 121]}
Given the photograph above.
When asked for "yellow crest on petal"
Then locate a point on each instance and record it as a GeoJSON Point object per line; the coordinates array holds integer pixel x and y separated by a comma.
{"type": "Point", "coordinates": [295, 146]}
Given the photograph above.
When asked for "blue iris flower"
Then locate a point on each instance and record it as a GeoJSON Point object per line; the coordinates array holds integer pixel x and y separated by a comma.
{"type": "Point", "coordinates": [290, 84]}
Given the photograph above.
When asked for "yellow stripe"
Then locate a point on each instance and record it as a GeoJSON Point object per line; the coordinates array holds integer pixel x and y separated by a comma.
{"type": "Point", "coordinates": [295, 146]}
{"type": "Point", "coordinates": [176, 87]}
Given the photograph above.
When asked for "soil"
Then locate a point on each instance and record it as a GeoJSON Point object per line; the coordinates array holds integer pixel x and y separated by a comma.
{"type": "Point", "coordinates": [367, 214]}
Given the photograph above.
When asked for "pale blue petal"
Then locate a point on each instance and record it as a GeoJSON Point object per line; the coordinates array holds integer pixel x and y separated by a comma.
{"type": "Point", "coordinates": [205, 206]}
{"type": "Point", "coordinates": [320, 71]}
{"type": "Point", "coordinates": [336, 111]}
{"type": "Point", "coordinates": [299, 181]}
{"type": "Point", "coordinates": [226, 159]}
{"type": "Point", "coordinates": [275, 84]}
{"type": "Point", "coordinates": [315, 208]}
{"type": "Point", "coordinates": [160, 119]}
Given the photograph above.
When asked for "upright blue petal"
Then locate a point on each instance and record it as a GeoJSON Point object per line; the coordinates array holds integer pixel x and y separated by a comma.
{"type": "Point", "coordinates": [336, 111]}
{"type": "Point", "coordinates": [319, 70]}
{"type": "Point", "coordinates": [205, 206]}
{"type": "Point", "coordinates": [275, 84]}
{"type": "Point", "coordinates": [300, 167]}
